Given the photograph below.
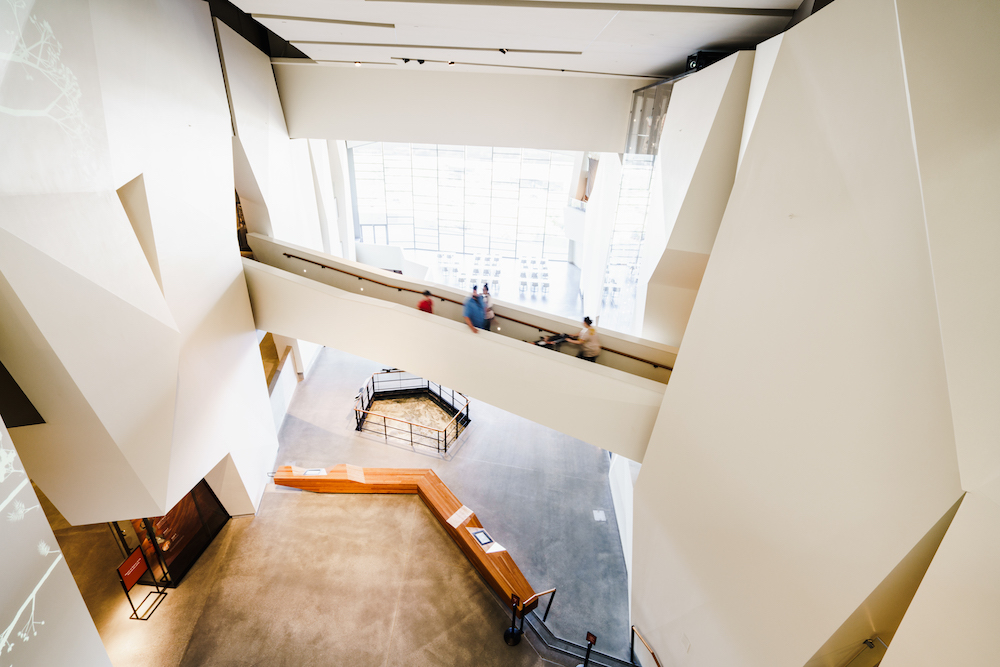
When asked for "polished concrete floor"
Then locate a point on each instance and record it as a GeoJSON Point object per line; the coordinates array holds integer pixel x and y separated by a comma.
{"type": "Point", "coordinates": [374, 580]}
{"type": "Point", "coordinates": [535, 489]}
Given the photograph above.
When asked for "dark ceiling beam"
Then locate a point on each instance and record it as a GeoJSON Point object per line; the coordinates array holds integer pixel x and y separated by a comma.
{"type": "Point", "coordinates": [439, 47]}
{"type": "Point", "coordinates": [611, 6]}
{"type": "Point", "coordinates": [308, 19]}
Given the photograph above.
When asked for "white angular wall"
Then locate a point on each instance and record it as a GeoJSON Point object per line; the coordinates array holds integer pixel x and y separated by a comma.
{"type": "Point", "coordinates": [562, 112]}
{"type": "Point", "coordinates": [127, 321]}
{"type": "Point", "coordinates": [277, 180]}
{"type": "Point", "coordinates": [43, 620]}
{"type": "Point", "coordinates": [834, 397]}
{"type": "Point", "coordinates": [697, 164]}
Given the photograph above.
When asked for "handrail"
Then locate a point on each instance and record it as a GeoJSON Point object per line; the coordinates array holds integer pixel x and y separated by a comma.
{"type": "Point", "coordinates": [444, 298]}
{"type": "Point", "coordinates": [535, 597]}
{"type": "Point", "coordinates": [631, 647]}
{"type": "Point", "coordinates": [439, 433]}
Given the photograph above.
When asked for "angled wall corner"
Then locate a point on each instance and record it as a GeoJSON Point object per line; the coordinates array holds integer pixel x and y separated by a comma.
{"type": "Point", "coordinates": [251, 200]}
{"type": "Point", "coordinates": [121, 330]}
{"type": "Point", "coordinates": [273, 172]}
{"type": "Point", "coordinates": [136, 205]}
{"type": "Point", "coordinates": [697, 160]}
{"type": "Point", "coordinates": [43, 618]}
{"type": "Point", "coordinates": [763, 64]}
{"type": "Point", "coordinates": [956, 136]}
{"type": "Point", "coordinates": [812, 366]}
{"type": "Point", "coordinates": [954, 614]}
{"type": "Point", "coordinates": [878, 617]}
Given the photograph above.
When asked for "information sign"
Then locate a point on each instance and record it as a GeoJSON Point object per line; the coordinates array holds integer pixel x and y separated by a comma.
{"type": "Point", "coordinates": [132, 569]}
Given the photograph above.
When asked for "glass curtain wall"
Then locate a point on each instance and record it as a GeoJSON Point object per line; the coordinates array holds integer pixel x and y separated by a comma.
{"type": "Point", "coordinates": [462, 199]}
{"type": "Point", "coordinates": [627, 237]}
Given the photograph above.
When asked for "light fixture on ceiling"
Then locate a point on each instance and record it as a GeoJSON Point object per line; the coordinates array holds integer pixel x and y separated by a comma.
{"type": "Point", "coordinates": [503, 51]}
{"type": "Point", "coordinates": [357, 63]}
{"type": "Point", "coordinates": [451, 63]}
{"type": "Point", "coordinates": [420, 62]}
{"type": "Point", "coordinates": [406, 60]}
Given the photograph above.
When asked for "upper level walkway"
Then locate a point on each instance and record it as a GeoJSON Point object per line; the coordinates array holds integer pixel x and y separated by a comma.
{"type": "Point", "coordinates": [372, 313]}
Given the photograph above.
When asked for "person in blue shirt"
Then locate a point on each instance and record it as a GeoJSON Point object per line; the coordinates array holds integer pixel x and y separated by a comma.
{"type": "Point", "coordinates": [474, 312]}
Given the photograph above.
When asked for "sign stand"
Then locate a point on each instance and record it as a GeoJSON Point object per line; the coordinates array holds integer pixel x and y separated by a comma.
{"type": "Point", "coordinates": [591, 640]}
{"type": "Point", "coordinates": [512, 635]}
{"type": "Point", "coordinates": [129, 573]}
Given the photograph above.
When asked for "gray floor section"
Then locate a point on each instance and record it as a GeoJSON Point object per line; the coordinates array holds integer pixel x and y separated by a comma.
{"type": "Point", "coordinates": [317, 579]}
{"type": "Point", "coordinates": [535, 489]}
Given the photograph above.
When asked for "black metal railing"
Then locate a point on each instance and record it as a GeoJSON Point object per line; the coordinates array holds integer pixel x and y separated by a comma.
{"type": "Point", "coordinates": [394, 383]}
{"type": "Point", "coordinates": [631, 647]}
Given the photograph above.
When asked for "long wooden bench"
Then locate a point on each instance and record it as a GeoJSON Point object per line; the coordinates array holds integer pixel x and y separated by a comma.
{"type": "Point", "coordinates": [498, 569]}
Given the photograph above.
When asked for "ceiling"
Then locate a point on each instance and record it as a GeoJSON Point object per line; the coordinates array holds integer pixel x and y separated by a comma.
{"type": "Point", "coordinates": [541, 36]}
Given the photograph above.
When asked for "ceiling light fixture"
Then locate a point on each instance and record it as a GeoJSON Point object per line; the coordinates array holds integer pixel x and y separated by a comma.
{"type": "Point", "coordinates": [357, 63]}
{"type": "Point", "coordinates": [451, 63]}
{"type": "Point", "coordinates": [503, 51]}
{"type": "Point", "coordinates": [406, 60]}
{"type": "Point", "coordinates": [421, 62]}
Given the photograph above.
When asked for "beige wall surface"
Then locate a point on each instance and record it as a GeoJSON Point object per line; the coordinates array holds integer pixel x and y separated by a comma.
{"type": "Point", "coordinates": [953, 617]}
{"type": "Point", "coordinates": [43, 619]}
{"type": "Point", "coordinates": [808, 412]}
{"type": "Point", "coordinates": [698, 154]}
{"type": "Point", "coordinates": [135, 341]}
{"type": "Point", "coordinates": [956, 133]}
{"type": "Point", "coordinates": [280, 178]}
{"type": "Point", "coordinates": [514, 110]}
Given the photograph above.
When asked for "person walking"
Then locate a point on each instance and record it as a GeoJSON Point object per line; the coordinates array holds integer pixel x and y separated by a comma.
{"type": "Point", "coordinates": [590, 344]}
{"type": "Point", "coordinates": [488, 306]}
{"type": "Point", "coordinates": [474, 313]}
{"type": "Point", "coordinates": [426, 305]}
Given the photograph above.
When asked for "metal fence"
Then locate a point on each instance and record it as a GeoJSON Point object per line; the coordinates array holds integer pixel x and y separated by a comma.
{"type": "Point", "coordinates": [392, 383]}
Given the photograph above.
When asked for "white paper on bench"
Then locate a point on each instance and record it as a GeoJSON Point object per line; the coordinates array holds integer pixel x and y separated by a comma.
{"type": "Point", "coordinates": [356, 473]}
{"type": "Point", "coordinates": [460, 516]}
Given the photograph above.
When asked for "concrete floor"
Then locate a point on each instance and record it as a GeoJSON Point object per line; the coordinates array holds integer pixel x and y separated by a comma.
{"type": "Point", "coordinates": [374, 580]}
{"type": "Point", "coordinates": [535, 489]}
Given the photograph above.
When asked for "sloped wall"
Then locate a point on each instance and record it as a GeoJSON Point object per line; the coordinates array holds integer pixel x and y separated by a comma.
{"type": "Point", "coordinates": [43, 620]}
{"type": "Point", "coordinates": [127, 321]}
{"type": "Point", "coordinates": [805, 443]}
{"type": "Point", "coordinates": [698, 153]}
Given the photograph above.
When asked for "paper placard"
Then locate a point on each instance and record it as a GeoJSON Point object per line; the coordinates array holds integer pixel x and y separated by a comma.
{"type": "Point", "coordinates": [312, 472]}
{"type": "Point", "coordinates": [356, 474]}
{"type": "Point", "coordinates": [460, 516]}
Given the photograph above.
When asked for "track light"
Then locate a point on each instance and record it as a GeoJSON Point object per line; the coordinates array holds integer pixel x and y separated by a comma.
{"type": "Point", "coordinates": [503, 51]}
{"type": "Point", "coordinates": [420, 62]}
{"type": "Point", "coordinates": [451, 63]}
{"type": "Point", "coordinates": [406, 60]}
{"type": "Point", "coordinates": [357, 63]}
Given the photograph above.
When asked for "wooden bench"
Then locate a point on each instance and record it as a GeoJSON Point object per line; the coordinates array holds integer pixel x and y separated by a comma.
{"type": "Point", "coordinates": [498, 569]}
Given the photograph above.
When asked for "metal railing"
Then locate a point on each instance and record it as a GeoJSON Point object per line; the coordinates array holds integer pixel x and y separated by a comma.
{"type": "Point", "coordinates": [631, 648]}
{"type": "Point", "coordinates": [654, 364]}
{"type": "Point", "coordinates": [392, 383]}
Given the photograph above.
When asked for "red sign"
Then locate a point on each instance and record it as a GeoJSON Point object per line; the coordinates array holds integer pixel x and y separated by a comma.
{"type": "Point", "coordinates": [133, 568]}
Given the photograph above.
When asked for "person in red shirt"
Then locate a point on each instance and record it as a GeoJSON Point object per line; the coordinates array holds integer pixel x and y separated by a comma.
{"type": "Point", "coordinates": [426, 305]}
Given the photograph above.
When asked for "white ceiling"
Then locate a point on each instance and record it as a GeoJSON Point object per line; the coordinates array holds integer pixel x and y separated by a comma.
{"type": "Point", "coordinates": [628, 42]}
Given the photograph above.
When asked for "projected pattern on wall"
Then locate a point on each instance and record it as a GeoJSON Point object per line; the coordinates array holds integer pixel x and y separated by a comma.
{"type": "Point", "coordinates": [35, 607]}
{"type": "Point", "coordinates": [35, 47]}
